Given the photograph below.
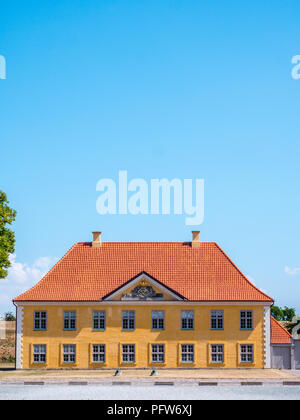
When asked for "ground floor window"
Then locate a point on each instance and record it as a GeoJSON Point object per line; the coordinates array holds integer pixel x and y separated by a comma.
{"type": "Point", "coordinates": [217, 353]}
{"type": "Point", "coordinates": [69, 353]}
{"type": "Point", "coordinates": [246, 353]}
{"type": "Point", "coordinates": [98, 353]}
{"type": "Point", "coordinates": [128, 353]}
{"type": "Point", "coordinates": [158, 353]}
{"type": "Point", "coordinates": [39, 353]}
{"type": "Point", "coordinates": [187, 353]}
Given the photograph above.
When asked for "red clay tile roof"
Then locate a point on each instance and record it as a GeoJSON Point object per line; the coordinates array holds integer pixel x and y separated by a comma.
{"type": "Point", "coordinates": [279, 335]}
{"type": "Point", "coordinates": [199, 274]}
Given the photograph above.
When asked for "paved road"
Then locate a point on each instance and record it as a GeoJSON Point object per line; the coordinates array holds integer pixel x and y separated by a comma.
{"type": "Point", "coordinates": [96, 392]}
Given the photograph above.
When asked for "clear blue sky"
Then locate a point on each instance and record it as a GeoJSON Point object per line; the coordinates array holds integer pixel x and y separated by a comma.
{"type": "Point", "coordinates": [185, 89]}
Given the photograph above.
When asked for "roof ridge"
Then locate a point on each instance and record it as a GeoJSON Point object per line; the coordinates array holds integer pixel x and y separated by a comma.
{"type": "Point", "coordinates": [144, 242]}
{"type": "Point", "coordinates": [242, 274]}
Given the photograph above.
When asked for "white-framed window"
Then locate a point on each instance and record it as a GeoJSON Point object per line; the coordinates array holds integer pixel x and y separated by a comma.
{"type": "Point", "coordinates": [246, 320]}
{"type": "Point", "coordinates": [217, 320]}
{"type": "Point", "coordinates": [69, 353]}
{"type": "Point", "coordinates": [98, 353]}
{"type": "Point", "coordinates": [187, 353]}
{"type": "Point", "coordinates": [70, 320]}
{"type": "Point", "coordinates": [187, 320]}
{"type": "Point", "coordinates": [158, 353]}
{"type": "Point", "coordinates": [39, 353]}
{"type": "Point", "coordinates": [158, 320]}
{"type": "Point", "coordinates": [128, 353]}
{"type": "Point", "coordinates": [217, 353]}
{"type": "Point", "coordinates": [99, 320]}
{"type": "Point", "coordinates": [128, 320]}
{"type": "Point", "coordinates": [40, 320]}
{"type": "Point", "coordinates": [246, 353]}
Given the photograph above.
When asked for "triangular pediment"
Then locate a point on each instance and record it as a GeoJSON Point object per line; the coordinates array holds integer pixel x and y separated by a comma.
{"type": "Point", "coordinates": [143, 287]}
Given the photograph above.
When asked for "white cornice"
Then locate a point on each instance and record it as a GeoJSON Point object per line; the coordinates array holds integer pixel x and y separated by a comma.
{"type": "Point", "coordinates": [145, 303]}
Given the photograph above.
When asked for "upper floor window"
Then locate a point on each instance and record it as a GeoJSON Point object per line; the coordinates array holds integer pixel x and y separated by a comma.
{"type": "Point", "coordinates": [99, 320]}
{"type": "Point", "coordinates": [187, 320]}
{"type": "Point", "coordinates": [187, 353]}
{"type": "Point", "coordinates": [40, 321]}
{"type": "Point", "coordinates": [70, 320]}
{"type": "Point", "coordinates": [39, 353]}
{"type": "Point", "coordinates": [246, 320]}
{"type": "Point", "coordinates": [158, 353]}
{"type": "Point", "coordinates": [128, 320]}
{"type": "Point", "coordinates": [246, 353]}
{"type": "Point", "coordinates": [69, 353]}
{"type": "Point", "coordinates": [158, 320]}
{"type": "Point", "coordinates": [99, 353]}
{"type": "Point", "coordinates": [217, 320]}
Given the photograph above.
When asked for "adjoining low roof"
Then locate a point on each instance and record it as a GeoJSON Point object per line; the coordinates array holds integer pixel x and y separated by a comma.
{"type": "Point", "coordinates": [86, 273]}
{"type": "Point", "coordinates": [279, 335]}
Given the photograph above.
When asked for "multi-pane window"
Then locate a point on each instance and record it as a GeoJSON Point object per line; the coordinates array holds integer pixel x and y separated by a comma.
{"type": "Point", "coordinates": [70, 320]}
{"type": "Point", "coordinates": [39, 353]}
{"type": "Point", "coordinates": [158, 320]}
{"type": "Point", "coordinates": [217, 320]}
{"type": "Point", "coordinates": [128, 353]}
{"type": "Point", "coordinates": [99, 353]}
{"type": "Point", "coordinates": [40, 321]}
{"type": "Point", "coordinates": [246, 353]}
{"type": "Point", "coordinates": [187, 353]}
{"type": "Point", "coordinates": [158, 353]}
{"type": "Point", "coordinates": [128, 320]}
{"type": "Point", "coordinates": [187, 320]}
{"type": "Point", "coordinates": [69, 353]}
{"type": "Point", "coordinates": [99, 320]}
{"type": "Point", "coordinates": [246, 318]}
{"type": "Point", "coordinates": [217, 353]}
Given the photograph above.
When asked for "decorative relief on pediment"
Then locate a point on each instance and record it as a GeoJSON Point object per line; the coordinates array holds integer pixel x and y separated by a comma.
{"type": "Point", "coordinates": [143, 291]}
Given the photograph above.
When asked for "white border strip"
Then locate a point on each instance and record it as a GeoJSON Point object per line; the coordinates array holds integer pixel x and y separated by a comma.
{"type": "Point", "coordinates": [19, 343]}
{"type": "Point", "coordinates": [267, 337]}
{"type": "Point", "coordinates": [143, 303]}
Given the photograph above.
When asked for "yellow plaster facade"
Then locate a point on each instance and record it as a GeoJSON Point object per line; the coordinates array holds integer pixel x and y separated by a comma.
{"type": "Point", "coordinates": [172, 336]}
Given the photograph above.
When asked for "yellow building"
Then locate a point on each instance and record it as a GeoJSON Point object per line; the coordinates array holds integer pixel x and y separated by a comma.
{"type": "Point", "coordinates": [143, 305]}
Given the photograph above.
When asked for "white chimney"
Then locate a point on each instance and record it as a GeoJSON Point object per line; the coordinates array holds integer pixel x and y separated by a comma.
{"type": "Point", "coordinates": [96, 240]}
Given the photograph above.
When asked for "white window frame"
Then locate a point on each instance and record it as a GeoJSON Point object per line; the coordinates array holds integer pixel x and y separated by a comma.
{"type": "Point", "coordinates": [70, 317]}
{"type": "Point", "coordinates": [158, 353]}
{"type": "Point", "coordinates": [217, 351]}
{"type": "Point", "coordinates": [70, 355]}
{"type": "Point", "coordinates": [128, 320]}
{"type": "Point", "coordinates": [245, 351]}
{"type": "Point", "coordinates": [246, 317]}
{"type": "Point", "coordinates": [158, 320]}
{"type": "Point", "coordinates": [99, 317]}
{"type": "Point", "coordinates": [39, 353]}
{"type": "Point", "coordinates": [187, 321]}
{"type": "Point", "coordinates": [40, 317]}
{"type": "Point", "coordinates": [128, 352]}
{"type": "Point", "coordinates": [99, 352]}
{"type": "Point", "coordinates": [187, 353]}
{"type": "Point", "coordinates": [217, 318]}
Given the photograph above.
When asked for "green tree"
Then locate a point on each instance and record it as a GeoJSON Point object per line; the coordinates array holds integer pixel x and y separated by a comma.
{"type": "Point", "coordinates": [9, 316]}
{"type": "Point", "coordinates": [7, 236]}
{"type": "Point", "coordinates": [283, 314]}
